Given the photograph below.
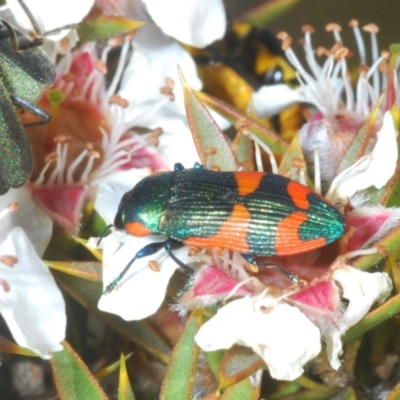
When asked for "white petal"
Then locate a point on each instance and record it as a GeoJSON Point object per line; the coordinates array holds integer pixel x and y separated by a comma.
{"type": "Point", "coordinates": [109, 194]}
{"type": "Point", "coordinates": [372, 170]}
{"type": "Point", "coordinates": [281, 334]}
{"type": "Point", "coordinates": [51, 14]}
{"type": "Point", "coordinates": [141, 291]}
{"type": "Point", "coordinates": [362, 289]}
{"type": "Point", "coordinates": [33, 307]}
{"type": "Point", "coordinates": [196, 22]}
{"type": "Point", "coordinates": [35, 222]}
{"type": "Point", "coordinates": [156, 57]}
{"type": "Point", "coordinates": [271, 100]}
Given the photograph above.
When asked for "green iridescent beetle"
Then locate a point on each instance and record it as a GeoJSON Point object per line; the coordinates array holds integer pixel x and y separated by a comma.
{"type": "Point", "coordinates": [253, 213]}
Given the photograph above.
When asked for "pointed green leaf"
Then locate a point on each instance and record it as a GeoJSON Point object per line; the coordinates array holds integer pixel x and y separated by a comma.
{"type": "Point", "coordinates": [243, 147]}
{"type": "Point", "coordinates": [140, 332]}
{"type": "Point", "coordinates": [359, 144]}
{"type": "Point", "coordinates": [125, 391]}
{"type": "Point", "coordinates": [107, 370]}
{"type": "Point", "coordinates": [242, 390]}
{"type": "Point", "coordinates": [72, 378]}
{"type": "Point", "coordinates": [293, 156]}
{"type": "Point", "coordinates": [89, 270]}
{"type": "Point", "coordinates": [389, 244]}
{"type": "Point", "coordinates": [9, 347]}
{"type": "Point", "coordinates": [211, 143]}
{"type": "Point", "coordinates": [238, 363]}
{"type": "Point", "coordinates": [268, 11]}
{"type": "Point", "coordinates": [179, 380]}
{"type": "Point", "coordinates": [103, 27]}
{"type": "Point", "coordinates": [276, 143]}
{"type": "Point", "coordinates": [97, 253]}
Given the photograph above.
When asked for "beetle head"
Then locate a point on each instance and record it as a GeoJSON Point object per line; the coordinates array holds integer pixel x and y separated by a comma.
{"type": "Point", "coordinates": [141, 209]}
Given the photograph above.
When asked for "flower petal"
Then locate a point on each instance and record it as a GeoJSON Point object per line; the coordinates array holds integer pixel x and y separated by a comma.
{"type": "Point", "coordinates": [272, 99]}
{"type": "Point", "coordinates": [200, 23]}
{"type": "Point", "coordinates": [279, 333]}
{"type": "Point", "coordinates": [30, 300]}
{"type": "Point", "coordinates": [35, 222]}
{"type": "Point", "coordinates": [112, 188]}
{"type": "Point", "coordinates": [51, 14]}
{"type": "Point", "coordinates": [142, 290]}
{"type": "Point", "coordinates": [362, 290]}
{"type": "Point", "coordinates": [155, 58]}
{"type": "Point", "coordinates": [372, 170]}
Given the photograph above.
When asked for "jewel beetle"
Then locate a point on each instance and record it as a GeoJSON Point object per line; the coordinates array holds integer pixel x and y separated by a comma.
{"type": "Point", "coordinates": [25, 70]}
{"type": "Point", "coordinates": [253, 213]}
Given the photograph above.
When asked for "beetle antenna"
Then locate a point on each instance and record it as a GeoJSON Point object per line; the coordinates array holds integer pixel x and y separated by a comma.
{"type": "Point", "coordinates": [29, 14]}
{"type": "Point", "coordinates": [104, 232]}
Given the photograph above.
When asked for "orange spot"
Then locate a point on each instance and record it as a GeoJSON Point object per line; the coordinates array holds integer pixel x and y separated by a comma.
{"type": "Point", "coordinates": [232, 234]}
{"type": "Point", "coordinates": [298, 194]}
{"type": "Point", "coordinates": [137, 229]}
{"type": "Point", "coordinates": [248, 182]}
{"type": "Point", "coordinates": [287, 240]}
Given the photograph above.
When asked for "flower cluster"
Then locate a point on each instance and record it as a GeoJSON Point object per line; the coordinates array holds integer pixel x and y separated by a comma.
{"type": "Point", "coordinates": [111, 129]}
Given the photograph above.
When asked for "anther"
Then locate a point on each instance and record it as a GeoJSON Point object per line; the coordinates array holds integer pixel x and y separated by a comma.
{"type": "Point", "coordinates": [69, 77]}
{"type": "Point", "coordinates": [9, 260]}
{"type": "Point", "coordinates": [211, 151]}
{"type": "Point", "coordinates": [101, 67]}
{"type": "Point", "coordinates": [307, 29]}
{"type": "Point", "coordinates": [153, 265]}
{"type": "Point", "coordinates": [117, 99]}
{"type": "Point", "coordinates": [371, 28]}
{"type": "Point", "coordinates": [333, 27]}
{"type": "Point", "coordinates": [13, 207]}
{"type": "Point", "coordinates": [5, 284]}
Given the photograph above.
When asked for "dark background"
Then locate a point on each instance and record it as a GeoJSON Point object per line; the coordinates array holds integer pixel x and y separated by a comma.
{"type": "Point", "coordinates": [384, 13]}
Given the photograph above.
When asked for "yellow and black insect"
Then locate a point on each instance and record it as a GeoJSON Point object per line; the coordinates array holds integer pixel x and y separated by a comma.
{"type": "Point", "coordinates": [246, 59]}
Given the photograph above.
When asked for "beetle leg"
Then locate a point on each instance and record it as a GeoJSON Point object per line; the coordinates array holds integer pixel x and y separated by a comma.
{"type": "Point", "coordinates": [250, 259]}
{"type": "Point", "coordinates": [148, 250]}
{"type": "Point", "coordinates": [172, 244]}
{"type": "Point", "coordinates": [37, 111]}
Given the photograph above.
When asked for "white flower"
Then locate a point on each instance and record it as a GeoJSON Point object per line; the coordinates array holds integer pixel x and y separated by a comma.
{"type": "Point", "coordinates": [30, 301]}
{"type": "Point", "coordinates": [197, 22]}
{"type": "Point", "coordinates": [362, 290]}
{"type": "Point", "coordinates": [375, 169]}
{"type": "Point", "coordinates": [142, 290]}
{"type": "Point", "coordinates": [156, 58]}
{"type": "Point", "coordinates": [279, 333]}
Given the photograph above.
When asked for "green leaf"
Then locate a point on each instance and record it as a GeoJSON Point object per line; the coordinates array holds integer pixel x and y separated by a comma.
{"type": "Point", "coordinates": [9, 347]}
{"type": "Point", "coordinates": [242, 390]}
{"type": "Point", "coordinates": [179, 380]}
{"type": "Point", "coordinates": [389, 244]}
{"type": "Point", "coordinates": [140, 332]}
{"type": "Point", "coordinates": [243, 147]}
{"type": "Point", "coordinates": [346, 394]}
{"type": "Point", "coordinates": [107, 370]}
{"type": "Point", "coordinates": [72, 378]}
{"type": "Point", "coordinates": [268, 11]}
{"type": "Point", "coordinates": [359, 144]}
{"type": "Point", "coordinates": [89, 270]}
{"type": "Point", "coordinates": [211, 144]}
{"type": "Point", "coordinates": [238, 363]}
{"type": "Point", "coordinates": [125, 391]}
{"type": "Point", "coordinates": [103, 27]}
{"type": "Point", "coordinates": [270, 138]}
